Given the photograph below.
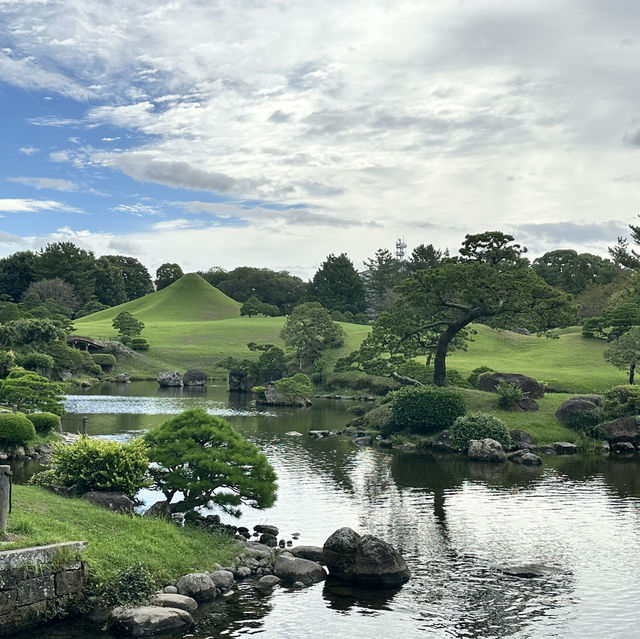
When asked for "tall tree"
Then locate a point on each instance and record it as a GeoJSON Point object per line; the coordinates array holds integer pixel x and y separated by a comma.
{"type": "Point", "coordinates": [337, 286]}
{"type": "Point", "coordinates": [166, 274]}
{"type": "Point", "coordinates": [70, 263]}
{"type": "Point", "coordinates": [490, 284]}
{"type": "Point", "coordinates": [423, 257]}
{"type": "Point", "coordinates": [59, 292]}
{"type": "Point", "coordinates": [137, 281]}
{"type": "Point", "coordinates": [110, 287]}
{"type": "Point", "coordinates": [382, 275]}
{"type": "Point", "coordinates": [17, 271]}
{"type": "Point", "coordinates": [624, 352]}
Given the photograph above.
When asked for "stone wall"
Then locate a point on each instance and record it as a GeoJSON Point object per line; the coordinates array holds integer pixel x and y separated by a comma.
{"type": "Point", "coordinates": [39, 584]}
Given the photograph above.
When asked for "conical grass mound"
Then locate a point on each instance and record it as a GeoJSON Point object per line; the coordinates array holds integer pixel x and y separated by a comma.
{"type": "Point", "coordinates": [189, 299]}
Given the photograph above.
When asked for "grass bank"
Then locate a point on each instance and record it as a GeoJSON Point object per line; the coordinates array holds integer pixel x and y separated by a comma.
{"type": "Point", "coordinates": [115, 541]}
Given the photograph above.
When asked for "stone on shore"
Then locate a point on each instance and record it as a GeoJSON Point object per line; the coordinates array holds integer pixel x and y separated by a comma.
{"type": "Point", "coordinates": [194, 378]}
{"type": "Point", "coordinates": [144, 621]}
{"type": "Point", "coordinates": [113, 501]}
{"type": "Point", "coordinates": [624, 429]}
{"type": "Point", "coordinates": [486, 450]}
{"type": "Point", "coordinates": [267, 582]}
{"type": "Point", "coordinates": [197, 585]}
{"type": "Point", "coordinates": [223, 579]}
{"type": "Point", "coordinates": [312, 553]}
{"type": "Point", "coordinates": [291, 569]}
{"type": "Point", "coordinates": [168, 600]}
{"type": "Point", "coordinates": [364, 559]}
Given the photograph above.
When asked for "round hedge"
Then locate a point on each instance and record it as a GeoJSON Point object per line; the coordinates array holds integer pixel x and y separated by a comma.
{"type": "Point", "coordinates": [478, 426]}
{"type": "Point", "coordinates": [106, 360]}
{"type": "Point", "coordinates": [44, 422]}
{"type": "Point", "coordinates": [139, 344]}
{"type": "Point", "coordinates": [16, 429]}
{"type": "Point", "coordinates": [425, 409]}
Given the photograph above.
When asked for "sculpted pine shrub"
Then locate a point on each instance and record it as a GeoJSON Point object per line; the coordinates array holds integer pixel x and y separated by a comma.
{"type": "Point", "coordinates": [621, 401]}
{"type": "Point", "coordinates": [478, 426]}
{"type": "Point", "coordinates": [44, 422]}
{"type": "Point", "coordinates": [104, 360]}
{"type": "Point", "coordinates": [15, 429]}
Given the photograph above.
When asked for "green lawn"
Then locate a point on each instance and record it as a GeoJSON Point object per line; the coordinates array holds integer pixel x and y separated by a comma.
{"type": "Point", "coordinates": [115, 541]}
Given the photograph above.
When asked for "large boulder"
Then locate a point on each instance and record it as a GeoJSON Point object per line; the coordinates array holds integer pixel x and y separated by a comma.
{"type": "Point", "coordinates": [144, 621]}
{"type": "Point", "coordinates": [197, 585]}
{"type": "Point", "coordinates": [377, 419]}
{"type": "Point", "coordinates": [223, 579]}
{"type": "Point", "coordinates": [169, 378]}
{"type": "Point", "coordinates": [486, 450]}
{"type": "Point", "coordinates": [574, 407]}
{"type": "Point", "coordinates": [312, 553]}
{"type": "Point", "coordinates": [122, 378]}
{"type": "Point", "coordinates": [527, 385]}
{"type": "Point", "coordinates": [291, 569]}
{"type": "Point", "coordinates": [240, 382]}
{"type": "Point", "coordinates": [194, 378]}
{"type": "Point", "coordinates": [113, 501]}
{"type": "Point", "coordinates": [521, 439]}
{"type": "Point", "coordinates": [174, 600]}
{"type": "Point", "coordinates": [276, 397]}
{"type": "Point", "coordinates": [365, 560]}
{"type": "Point", "coordinates": [624, 429]}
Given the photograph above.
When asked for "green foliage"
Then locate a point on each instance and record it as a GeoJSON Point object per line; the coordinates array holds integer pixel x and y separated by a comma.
{"type": "Point", "coordinates": [16, 429]}
{"type": "Point", "coordinates": [209, 462]}
{"type": "Point", "coordinates": [358, 410]}
{"type": "Point", "coordinates": [508, 395]}
{"type": "Point", "coordinates": [271, 364]}
{"type": "Point", "coordinates": [614, 321]}
{"type": "Point", "coordinates": [253, 306]}
{"type": "Point", "coordinates": [28, 390]}
{"type": "Point", "coordinates": [415, 370]}
{"type": "Point", "coordinates": [298, 385]}
{"type": "Point", "coordinates": [478, 426]}
{"type": "Point", "coordinates": [259, 391]}
{"type": "Point", "coordinates": [585, 421]}
{"type": "Point", "coordinates": [47, 477]}
{"type": "Point", "coordinates": [57, 295]}
{"type": "Point", "coordinates": [30, 332]}
{"type": "Point", "coordinates": [92, 306]}
{"type": "Point", "coordinates": [455, 378]}
{"type": "Point", "coordinates": [132, 586]}
{"type": "Point", "coordinates": [44, 422]}
{"type": "Point", "coordinates": [139, 344]}
{"type": "Point", "coordinates": [337, 286]}
{"type": "Point", "coordinates": [127, 325]}
{"type": "Point", "coordinates": [357, 381]}
{"type": "Point", "coordinates": [426, 409]}
{"type": "Point", "coordinates": [110, 287]}
{"type": "Point", "coordinates": [382, 274]}
{"type": "Point", "coordinates": [423, 257]}
{"type": "Point", "coordinates": [105, 360]}
{"type": "Point", "coordinates": [98, 464]}
{"type": "Point", "coordinates": [7, 362]}
{"type": "Point", "coordinates": [166, 274]}
{"type": "Point", "coordinates": [474, 378]}
{"type": "Point", "coordinates": [309, 331]}
{"type": "Point", "coordinates": [621, 401]}
{"type": "Point", "coordinates": [39, 362]}
{"type": "Point", "coordinates": [67, 359]}
{"type": "Point", "coordinates": [624, 352]}
{"type": "Point", "coordinates": [136, 278]}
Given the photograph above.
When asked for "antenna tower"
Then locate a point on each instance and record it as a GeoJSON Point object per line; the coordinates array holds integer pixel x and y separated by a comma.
{"type": "Point", "coordinates": [400, 248]}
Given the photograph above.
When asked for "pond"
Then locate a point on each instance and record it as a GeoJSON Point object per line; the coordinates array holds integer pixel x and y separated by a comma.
{"type": "Point", "coordinates": [457, 524]}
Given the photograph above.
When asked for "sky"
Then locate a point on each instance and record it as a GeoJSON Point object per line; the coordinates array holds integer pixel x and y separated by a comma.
{"type": "Point", "coordinates": [221, 133]}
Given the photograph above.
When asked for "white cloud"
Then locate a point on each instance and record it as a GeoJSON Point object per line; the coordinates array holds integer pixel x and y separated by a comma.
{"type": "Point", "coordinates": [17, 205]}
{"type": "Point", "coordinates": [28, 150]}
{"type": "Point", "coordinates": [56, 184]}
{"type": "Point", "coordinates": [138, 209]}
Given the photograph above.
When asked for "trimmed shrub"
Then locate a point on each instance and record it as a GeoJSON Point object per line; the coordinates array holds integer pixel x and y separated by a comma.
{"type": "Point", "coordinates": [475, 374]}
{"type": "Point", "coordinates": [139, 344]}
{"type": "Point", "coordinates": [508, 395]}
{"type": "Point", "coordinates": [621, 401]}
{"type": "Point", "coordinates": [104, 360]}
{"type": "Point", "coordinates": [16, 429]}
{"type": "Point", "coordinates": [425, 409]}
{"type": "Point", "coordinates": [478, 426]}
{"type": "Point", "coordinates": [44, 422]}
{"type": "Point", "coordinates": [35, 361]}
{"type": "Point", "coordinates": [416, 370]}
{"type": "Point", "coordinates": [455, 378]}
{"type": "Point", "coordinates": [29, 390]}
{"type": "Point", "coordinates": [585, 420]}
{"type": "Point", "coordinates": [357, 410]}
{"type": "Point", "coordinates": [298, 385]}
{"type": "Point", "coordinates": [98, 464]}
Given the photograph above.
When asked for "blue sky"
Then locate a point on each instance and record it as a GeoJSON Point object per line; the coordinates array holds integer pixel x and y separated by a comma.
{"type": "Point", "coordinates": [274, 133]}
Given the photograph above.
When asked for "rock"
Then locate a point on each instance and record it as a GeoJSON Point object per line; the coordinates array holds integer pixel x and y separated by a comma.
{"type": "Point", "coordinates": [150, 620]}
{"type": "Point", "coordinates": [364, 560]}
{"type": "Point", "coordinates": [442, 442]}
{"type": "Point", "coordinates": [113, 501]}
{"type": "Point", "coordinates": [527, 404]}
{"type": "Point", "coordinates": [276, 397]}
{"type": "Point", "coordinates": [197, 585]}
{"type": "Point", "coordinates": [624, 448]}
{"type": "Point", "coordinates": [527, 385]}
{"type": "Point", "coordinates": [17, 453]}
{"type": "Point", "coordinates": [160, 509]}
{"type": "Point", "coordinates": [291, 569]}
{"type": "Point", "coordinates": [367, 440]}
{"type": "Point", "coordinates": [257, 550]}
{"type": "Point", "coordinates": [594, 399]}
{"type": "Point", "coordinates": [122, 378]}
{"type": "Point", "coordinates": [486, 450]}
{"type": "Point", "coordinates": [376, 419]}
{"type": "Point", "coordinates": [268, 540]}
{"type": "Point", "coordinates": [312, 553]}
{"type": "Point", "coordinates": [318, 434]}
{"type": "Point", "coordinates": [297, 585]}
{"type": "Point", "coordinates": [529, 571]}
{"type": "Point", "coordinates": [571, 409]}
{"type": "Point", "coordinates": [223, 579]}
{"type": "Point", "coordinates": [174, 600]}
{"type": "Point", "coordinates": [169, 378]}
{"type": "Point", "coordinates": [170, 590]}
{"type": "Point", "coordinates": [546, 450]}
{"type": "Point", "coordinates": [521, 439]}
{"type": "Point", "coordinates": [243, 572]}
{"type": "Point", "coordinates": [293, 433]}
{"type": "Point", "coordinates": [194, 378]}
{"type": "Point", "coordinates": [605, 447]}
{"type": "Point", "coordinates": [268, 529]}
{"type": "Point", "coordinates": [267, 582]}
{"type": "Point", "coordinates": [624, 429]}
{"type": "Point", "coordinates": [565, 448]}
{"type": "Point", "coordinates": [526, 458]}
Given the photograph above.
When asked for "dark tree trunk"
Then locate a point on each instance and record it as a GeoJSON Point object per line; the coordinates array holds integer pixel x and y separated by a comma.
{"type": "Point", "coordinates": [632, 372]}
{"type": "Point", "coordinates": [442, 345]}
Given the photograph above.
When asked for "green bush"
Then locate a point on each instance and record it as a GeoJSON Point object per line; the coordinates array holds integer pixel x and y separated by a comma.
{"type": "Point", "coordinates": [139, 344]}
{"type": "Point", "coordinates": [475, 375]}
{"type": "Point", "coordinates": [455, 378]}
{"type": "Point", "coordinates": [104, 360]}
{"type": "Point", "coordinates": [416, 370]}
{"type": "Point", "coordinates": [298, 385]}
{"type": "Point", "coordinates": [358, 410]}
{"type": "Point", "coordinates": [621, 401]}
{"type": "Point", "coordinates": [27, 389]}
{"type": "Point", "coordinates": [47, 477]}
{"type": "Point", "coordinates": [130, 587]}
{"type": "Point", "coordinates": [98, 464]}
{"type": "Point", "coordinates": [425, 409]}
{"type": "Point", "coordinates": [585, 420]}
{"type": "Point", "coordinates": [316, 378]}
{"type": "Point", "coordinates": [478, 426]}
{"type": "Point", "coordinates": [7, 362]}
{"type": "Point", "coordinates": [16, 429]}
{"type": "Point", "coordinates": [44, 422]}
{"type": "Point", "coordinates": [258, 390]}
{"type": "Point", "coordinates": [508, 395]}
{"type": "Point", "coordinates": [35, 361]}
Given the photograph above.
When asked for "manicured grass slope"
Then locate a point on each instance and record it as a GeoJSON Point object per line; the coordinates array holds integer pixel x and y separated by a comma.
{"type": "Point", "coordinates": [115, 541]}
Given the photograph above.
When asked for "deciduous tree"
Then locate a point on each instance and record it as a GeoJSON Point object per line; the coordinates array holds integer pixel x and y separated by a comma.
{"type": "Point", "coordinates": [624, 352]}
{"type": "Point", "coordinates": [166, 274]}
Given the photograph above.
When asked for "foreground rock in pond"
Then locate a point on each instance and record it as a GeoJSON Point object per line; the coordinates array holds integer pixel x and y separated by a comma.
{"type": "Point", "coordinates": [144, 621]}
{"type": "Point", "coordinates": [486, 450]}
{"type": "Point", "coordinates": [174, 600]}
{"type": "Point", "coordinates": [525, 458]}
{"type": "Point", "coordinates": [169, 378]}
{"type": "Point", "coordinates": [197, 585]}
{"type": "Point", "coordinates": [624, 429]}
{"type": "Point", "coordinates": [312, 553]}
{"type": "Point", "coordinates": [291, 569]}
{"type": "Point", "coordinates": [194, 377]}
{"type": "Point", "coordinates": [266, 583]}
{"type": "Point", "coordinates": [364, 560]}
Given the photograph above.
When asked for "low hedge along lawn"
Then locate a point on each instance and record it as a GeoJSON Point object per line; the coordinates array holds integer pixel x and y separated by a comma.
{"type": "Point", "coordinates": [16, 429]}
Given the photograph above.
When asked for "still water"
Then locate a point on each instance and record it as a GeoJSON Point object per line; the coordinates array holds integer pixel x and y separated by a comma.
{"type": "Point", "coordinates": [457, 524]}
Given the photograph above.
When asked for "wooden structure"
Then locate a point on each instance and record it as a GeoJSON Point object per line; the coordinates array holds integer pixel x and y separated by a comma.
{"type": "Point", "coordinates": [83, 343]}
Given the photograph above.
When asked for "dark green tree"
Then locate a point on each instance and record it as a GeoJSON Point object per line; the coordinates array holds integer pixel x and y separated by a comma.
{"type": "Point", "coordinates": [59, 292]}
{"type": "Point", "coordinates": [423, 257]}
{"type": "Point", "coordinates": [624, 352]}
{"type": "Point", "coordinates": [614, 321]}
{"type": "Point", "coordinates": [137, 281]}
{"type": "Point", "coordinates": [127, 325]}
{"type": "Point", "coordinates": [337, 286]}
{"type": "Point", "coordinates": [74, 265]}
{"type": "Point", "coordinates": [437, 305]}
{"type": "Point", "coordinates": [110, 287]}
{"type": "Point", "coordinates": [17, 271]}
{"type": "Point", "coordinates": [309, 331]}
{"type": "Point", "coordinates": [383, 273]}
{"type": "Point", "coordinates": [28, 390]}
{"type": "Point", "coordinates": [206, 460]}
{"type": "Point", "coordinates": [31, 332]}
{"type": "Point", "coordinates": [166, 274]}
{"type": "Point", "coordinates": [251, 307]}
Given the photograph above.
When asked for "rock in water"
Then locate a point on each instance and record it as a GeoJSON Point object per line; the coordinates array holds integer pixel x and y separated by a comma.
{"type": "Point", "coordinates": [364, 560]}
{"type": "Point", "coordinates": [197, 585]}
{"type": "Point", "coordinates": [293, 569]}
{"type": "Point", "coordinates": [194, 377]}
{"type": "Point", "coordinates": [487, 450]}
{"type": "Point", "coordinates": [150, 620]}
{"type": "Point", "coordinates": [169, 378]}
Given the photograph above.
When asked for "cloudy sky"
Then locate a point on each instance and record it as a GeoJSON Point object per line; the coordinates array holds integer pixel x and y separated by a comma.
{"type": "Point", "coordinates": [272, 133]}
